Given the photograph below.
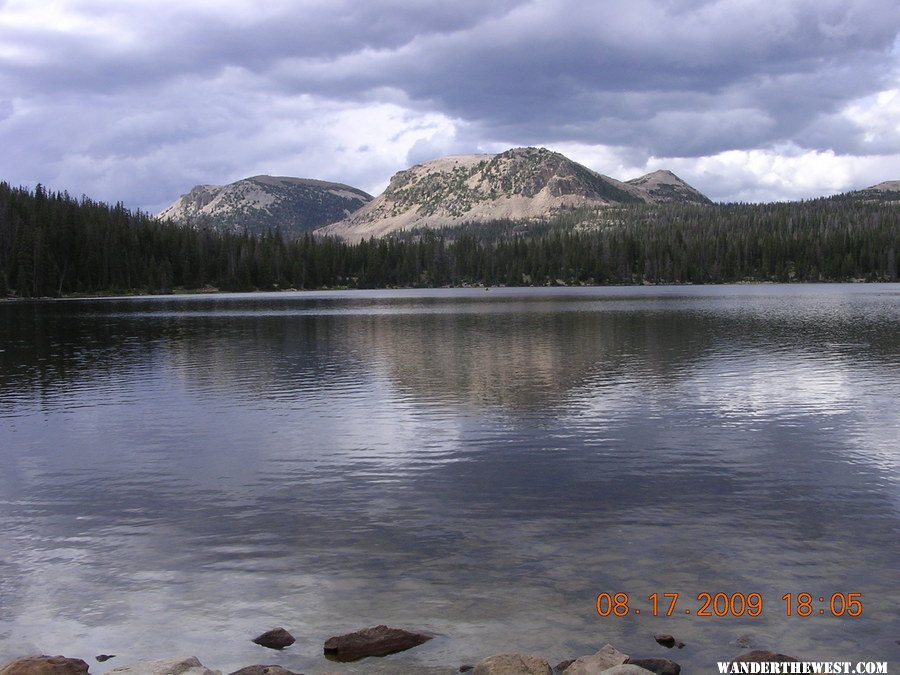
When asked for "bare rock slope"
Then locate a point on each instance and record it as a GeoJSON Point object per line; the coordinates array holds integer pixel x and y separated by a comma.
{"type": "Point", "coordinates": [888, 191]}
{"type": "Point", "coordinates": [521, 183]}
{"type": "Point", "coordinates": [262, 203]}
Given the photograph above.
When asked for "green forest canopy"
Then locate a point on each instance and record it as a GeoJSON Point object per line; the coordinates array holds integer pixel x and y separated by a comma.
{"type": "Point", "coordinates": [52, 245]}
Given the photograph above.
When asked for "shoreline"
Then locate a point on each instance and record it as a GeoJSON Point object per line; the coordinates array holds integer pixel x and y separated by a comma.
{"type": "Point", "coordinates": [212, 291]}
{"type": "Point", "coordinates": [360, 647]}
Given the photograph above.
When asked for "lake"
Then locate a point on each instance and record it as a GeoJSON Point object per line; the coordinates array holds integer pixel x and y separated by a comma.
{"type": "Point", "coordinates": [179, 474]}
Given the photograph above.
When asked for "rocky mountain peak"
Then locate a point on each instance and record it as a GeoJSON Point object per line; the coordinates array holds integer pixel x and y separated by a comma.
{"type": "Point", "coordinates": [517, 184]}
{"type": "Point", "coordinates": [262, 203]}
{"type": "Point", "coordinates": [664, 186]}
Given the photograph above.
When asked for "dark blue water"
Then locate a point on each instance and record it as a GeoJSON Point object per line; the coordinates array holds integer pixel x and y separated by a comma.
{"type": "Point", "coordinates": [179, 474]}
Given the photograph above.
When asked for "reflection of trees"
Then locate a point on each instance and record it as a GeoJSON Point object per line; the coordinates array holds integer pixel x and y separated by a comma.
{"type": "Point", "coordinates": [509, 352]}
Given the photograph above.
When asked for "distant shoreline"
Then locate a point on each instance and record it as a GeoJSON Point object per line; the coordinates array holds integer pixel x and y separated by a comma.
{"type": "Point", "coordinates": [112, 295]}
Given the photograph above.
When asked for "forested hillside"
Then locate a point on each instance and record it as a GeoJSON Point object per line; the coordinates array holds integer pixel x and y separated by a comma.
{"type": "Point", "coordinates": [52, 244]}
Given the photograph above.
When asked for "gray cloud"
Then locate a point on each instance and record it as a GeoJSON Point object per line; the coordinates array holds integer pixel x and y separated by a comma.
{"type": "Point", "coordinates": [623, 72]}
{"type": "Point", "coordinates": [138, 101]}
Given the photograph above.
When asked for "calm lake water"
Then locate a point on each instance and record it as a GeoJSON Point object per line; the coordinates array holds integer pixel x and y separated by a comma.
{"type": "Point", "coordinates": [179, 474]}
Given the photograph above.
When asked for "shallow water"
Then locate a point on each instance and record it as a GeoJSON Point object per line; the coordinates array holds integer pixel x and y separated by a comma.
{"type": "Point", "coordinates": [180, 474]}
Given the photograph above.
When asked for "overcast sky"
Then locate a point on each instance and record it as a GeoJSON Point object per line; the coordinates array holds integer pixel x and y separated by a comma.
{"type": "Point", "coordinates": [139, 100]}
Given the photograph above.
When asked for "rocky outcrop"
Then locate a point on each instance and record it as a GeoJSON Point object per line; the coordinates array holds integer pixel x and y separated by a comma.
{"type": "Point", "coordinates": [263, 203]}
{"type": "Point", "coordinates": [277, 638]}
{"type": "Point", "coordinates": [376, 641]}
{"type": "Point", "coordinates": [181, 665]}
{"type": "Point", "coordinates": [45, 665]}
{"type": "Point", "coordinates": [513, 664]}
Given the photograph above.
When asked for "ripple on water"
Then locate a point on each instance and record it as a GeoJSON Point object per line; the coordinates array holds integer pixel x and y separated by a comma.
{"type": "Point", "coordinates": [451, 460]}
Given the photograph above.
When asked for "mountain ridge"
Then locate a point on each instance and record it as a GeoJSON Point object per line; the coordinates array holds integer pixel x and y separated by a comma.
{"type": "Point", "coordinates": [524, 184]}
{"type": "Point", "coordinates": [262, 203]}
{"type": "Point", "coordinates": [519, 183]}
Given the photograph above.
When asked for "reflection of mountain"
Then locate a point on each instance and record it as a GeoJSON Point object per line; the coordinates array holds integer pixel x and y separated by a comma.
{"type": "Point", "coordinates": [482, 350]}
{"type": "Point", "coordinates": [509, 358]}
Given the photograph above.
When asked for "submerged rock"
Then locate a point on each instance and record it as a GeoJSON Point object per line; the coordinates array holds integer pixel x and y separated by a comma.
{"type": "Point", "coordinates": [375, 641]}
{"type": "Point", "coordinates": [104, 657]}
{"type": "Point", "coordinates": [180, 665]}
{"type": "Point", "coordinates": [744, 641]}
{"type": "Point", "coordinates": [45, 665]}
{"type": "Point", "coordinates": [763, 656]}
{"type": "Point", "coordinates": [608, 657]}
{"type": "Point", "coordinates": [277, 638]}
{"type": "Point", "coordinates": [513, 664]}
{"type": "Point", "coordinates": [658, 666]}
{"type": "Point", "coordinates": [264, 670]}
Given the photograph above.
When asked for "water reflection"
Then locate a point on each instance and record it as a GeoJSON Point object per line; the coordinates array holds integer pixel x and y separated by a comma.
{"type": "Point", "coordinates": [478, 464]}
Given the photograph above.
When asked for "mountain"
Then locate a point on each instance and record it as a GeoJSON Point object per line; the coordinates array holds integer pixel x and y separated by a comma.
{"type": "Point", "coordinates": [888, 191]}
{"type": "Point", "coordinates": [520, 183]}
{"type": "Point", "coordinates": [664, 186]}
{"type": "Point", "coordinates": [262, 203]}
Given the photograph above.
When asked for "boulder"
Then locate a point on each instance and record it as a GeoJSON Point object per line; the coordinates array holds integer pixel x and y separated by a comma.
{"type": "Point", "coordinates": [180, 665]}
{"type": "Point", "coordinates": [658, 666]}
{"type": "Point", "coordinates": [264, 670]}
{"type": "Point", "coordinates": [604, 659]}
{"type": "Point", "coordinates": [763, 656]}
{"type": "Point", "coordinates": [277, 638]}
{"type": "Point", "coordinates": [513, 664]}
{"type": "Point", "coordinates": [375, 641]}
{"type": "Point", "coordinates": [562, 665]}
{"type": "Point", "coordinates": [626, 669]}
{"type": "Point", "coordinates": [665, 640]}
{"type": "Point", "coordinates": [45, 665]}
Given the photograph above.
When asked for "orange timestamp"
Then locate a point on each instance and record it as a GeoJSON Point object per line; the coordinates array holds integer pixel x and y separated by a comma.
{"type": "Point", "coordinates": [729, 604]}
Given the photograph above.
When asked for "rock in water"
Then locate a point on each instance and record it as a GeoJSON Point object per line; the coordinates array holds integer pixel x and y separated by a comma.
{"type": "Point", "coordinates": [665, 640]}
{"type": "Point", "coordinates": [744, 641]}
{"type": "Point", "coordinates": [277, 638]}
{"type": "Point", "coordinates": [763, 656]}
{"type": "Point", "coordinates": [658, 666]}
{"type": "Point", "coordinates": [104, 657]}
{"type": "Point", "coordinates": [45, 665]}
{"type": "Point", "coordinates": [375, 641]}
{"type": "Point", "coordinates": [264, 670]}
{"type": "Point", "coordinates": [606, 658]}
{"type": "Point", "coordinates": [626, 669]}
{"type": "Point", "coordinates": [180, 665]}
{"type": "Point", "coordinates": [512, 664]}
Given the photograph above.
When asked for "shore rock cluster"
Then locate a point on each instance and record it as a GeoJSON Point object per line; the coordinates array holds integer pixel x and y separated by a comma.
{"type": "Point", "coordinates": [381, 641]}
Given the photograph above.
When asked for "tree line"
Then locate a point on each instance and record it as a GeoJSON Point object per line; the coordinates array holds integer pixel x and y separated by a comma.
{"type": "Point", "coordinates": [52, 244]}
